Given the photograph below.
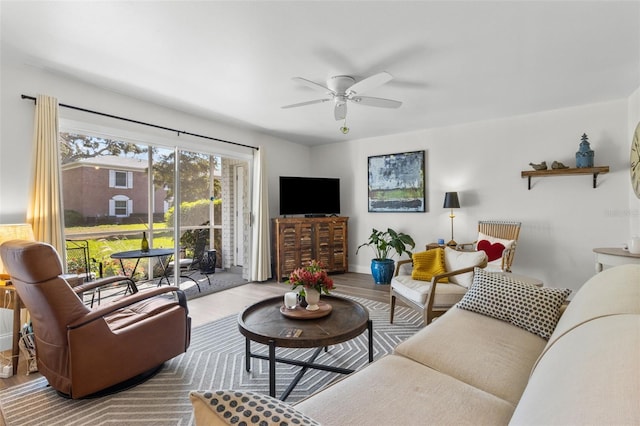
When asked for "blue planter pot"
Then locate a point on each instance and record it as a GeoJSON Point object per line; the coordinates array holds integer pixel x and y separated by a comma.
{"type": "Point", "coordinates": [382, 270]}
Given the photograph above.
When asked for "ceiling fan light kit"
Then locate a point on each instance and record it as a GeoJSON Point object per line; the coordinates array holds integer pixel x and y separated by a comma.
{"type": "Point", "coordinates": [340, 83]}
{"type": "Point", "coordinates": [342, 89]}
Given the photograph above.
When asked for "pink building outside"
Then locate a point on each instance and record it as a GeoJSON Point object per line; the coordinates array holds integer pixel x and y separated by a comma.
{"type": "Point", "coordinates": [109, 186]}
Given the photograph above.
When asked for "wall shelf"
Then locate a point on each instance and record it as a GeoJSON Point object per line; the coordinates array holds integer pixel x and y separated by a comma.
{"type": "Point", "coordinates": [595, 171]}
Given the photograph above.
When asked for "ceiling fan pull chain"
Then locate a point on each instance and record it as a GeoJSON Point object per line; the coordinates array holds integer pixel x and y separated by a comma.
{"type": "Point", "coordinates": [344, 129]}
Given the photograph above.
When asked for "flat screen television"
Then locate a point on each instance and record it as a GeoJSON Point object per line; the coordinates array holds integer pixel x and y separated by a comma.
{"type": "Point", "coordinates": [310, 196]}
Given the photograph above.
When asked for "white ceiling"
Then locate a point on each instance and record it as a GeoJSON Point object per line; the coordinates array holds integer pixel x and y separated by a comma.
{"type": "Point", "coordinates": [453, 61]}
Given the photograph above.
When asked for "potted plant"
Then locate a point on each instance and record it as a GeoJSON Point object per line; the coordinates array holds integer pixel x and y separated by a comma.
{"type": "Point", "coordinates": [385, 245]}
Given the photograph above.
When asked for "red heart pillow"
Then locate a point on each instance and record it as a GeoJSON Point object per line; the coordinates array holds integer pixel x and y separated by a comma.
{"type": "Point", "coordinates": [494, 251]}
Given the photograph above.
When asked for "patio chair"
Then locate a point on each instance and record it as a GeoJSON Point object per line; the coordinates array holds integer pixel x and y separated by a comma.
{"type": "Point", "coordinates": [200, 262]}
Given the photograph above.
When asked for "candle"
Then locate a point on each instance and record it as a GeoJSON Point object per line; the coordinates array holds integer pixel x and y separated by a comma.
{"type": "Point", "coordinates": [290, 299]}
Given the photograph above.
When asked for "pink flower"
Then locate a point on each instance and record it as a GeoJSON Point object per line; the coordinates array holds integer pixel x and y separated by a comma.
{"type": "Point", "coordinates": [311, 276]}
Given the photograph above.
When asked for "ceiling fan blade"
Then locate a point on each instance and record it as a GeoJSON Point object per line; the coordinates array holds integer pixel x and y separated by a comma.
{"type": "Point", "coordinates": [317, 101]}
{"type": "Point", "coordinates": [370, 83]}
{"type": "Point", "coordinates": [312, 84]}
{"type": "Point", "coordinates": [340, 111]}
{"type": "Point", "coordinates": [376, 102]}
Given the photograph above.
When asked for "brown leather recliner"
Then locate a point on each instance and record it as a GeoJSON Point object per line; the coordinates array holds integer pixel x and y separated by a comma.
{"type": "Point", "coordinates": [82, 351]}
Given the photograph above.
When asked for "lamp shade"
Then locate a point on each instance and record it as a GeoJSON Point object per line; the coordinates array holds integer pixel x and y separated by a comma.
{"type": "Point", "coordinates": [451, 200]}
{"type": "Point", "coordinates": [15, 231]}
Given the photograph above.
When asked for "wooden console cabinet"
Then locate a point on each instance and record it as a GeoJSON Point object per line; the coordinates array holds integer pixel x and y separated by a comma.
{"type": "Point", "coordinates": [298, 240]}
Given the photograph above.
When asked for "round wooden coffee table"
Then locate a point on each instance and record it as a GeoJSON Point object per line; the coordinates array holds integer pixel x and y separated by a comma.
{"type": "Point", "coordinates": [263, 322]}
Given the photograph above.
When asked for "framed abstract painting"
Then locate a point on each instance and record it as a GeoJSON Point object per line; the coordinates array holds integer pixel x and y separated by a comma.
{"type": "Point", "coordinates": [397, 182]}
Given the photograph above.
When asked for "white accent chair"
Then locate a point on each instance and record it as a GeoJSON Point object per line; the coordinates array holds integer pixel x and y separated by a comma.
{"type": "Point", "coordinates": [434, 297]}
{"type": "Point", "coordinates": [499, 240]}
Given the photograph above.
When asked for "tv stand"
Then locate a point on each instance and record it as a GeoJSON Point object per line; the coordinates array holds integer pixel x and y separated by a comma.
{"type": "Point", "coordinates": [314, 215]}
{"type": "Point", "coordinates": [297, 240]}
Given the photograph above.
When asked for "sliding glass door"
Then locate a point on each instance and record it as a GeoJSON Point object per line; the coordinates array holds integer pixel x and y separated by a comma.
{"type": "Point", "coordinates": [115, 190]}
{"type": "Point", "coordinates": [200, 197]}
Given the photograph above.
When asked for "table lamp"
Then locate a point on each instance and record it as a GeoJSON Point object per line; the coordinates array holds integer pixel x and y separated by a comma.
{"type": "Point", "coordinates": [15, 231]}
{"type": "Point", "coordinates": [451, 202]}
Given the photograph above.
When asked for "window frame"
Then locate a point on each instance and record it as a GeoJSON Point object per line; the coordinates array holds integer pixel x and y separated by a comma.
{"type": "Point", "coordinates": [113, 208]}
{"type": "Point", "coordinates": [162, 139]}
{"type": "Point", "coordinates": [113, 179]}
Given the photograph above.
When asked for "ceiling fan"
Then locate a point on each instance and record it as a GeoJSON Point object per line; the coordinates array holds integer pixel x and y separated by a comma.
{"type": "Point", "coordinates": [342, 89]}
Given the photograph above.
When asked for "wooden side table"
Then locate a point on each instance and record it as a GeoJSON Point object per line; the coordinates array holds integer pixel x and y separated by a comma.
{"type": "Point", "coordinates": [614, 256]}
{"type": "Point", "coordinates": [434, 246]}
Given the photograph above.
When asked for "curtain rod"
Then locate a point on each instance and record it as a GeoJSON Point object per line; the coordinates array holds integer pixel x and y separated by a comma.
{"type": "Point", "coordinates": [179, 132]}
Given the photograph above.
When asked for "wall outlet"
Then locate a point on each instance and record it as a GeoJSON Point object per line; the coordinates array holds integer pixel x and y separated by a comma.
{"type": "Point", "coordinates": [6, 371]}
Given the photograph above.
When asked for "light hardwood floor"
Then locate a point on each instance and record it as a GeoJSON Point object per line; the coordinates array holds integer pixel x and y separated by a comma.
{"type": "Point", "coordinates": [232, 301]}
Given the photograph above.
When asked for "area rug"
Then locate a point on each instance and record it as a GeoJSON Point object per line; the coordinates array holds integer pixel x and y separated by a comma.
{"type": "Point", "coordinates": [215, 360]}
{"type": "Point", "coordinates": [221, 280]}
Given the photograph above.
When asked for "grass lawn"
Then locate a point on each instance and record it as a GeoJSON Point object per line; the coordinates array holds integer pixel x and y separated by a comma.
{"type": "Point", "coordinates": [104, 240]}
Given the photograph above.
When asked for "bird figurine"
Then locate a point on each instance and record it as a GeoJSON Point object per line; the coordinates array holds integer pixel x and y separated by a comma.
{"type": "Point", "coordinates": [558, 165]}
{"type": "Point", "coordinates": [541, 166]}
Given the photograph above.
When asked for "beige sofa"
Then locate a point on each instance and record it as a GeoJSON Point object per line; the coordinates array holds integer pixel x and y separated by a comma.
{"type": "Point", "coordinates": [468, 368]}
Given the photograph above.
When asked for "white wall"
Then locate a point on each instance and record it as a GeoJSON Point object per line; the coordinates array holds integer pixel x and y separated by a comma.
{"type": "Point", "coordinates": [563, 218]}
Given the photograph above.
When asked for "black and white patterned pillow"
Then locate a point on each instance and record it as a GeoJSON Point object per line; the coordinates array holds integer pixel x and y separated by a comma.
{"type": "Point", "coordinates": [535, 309]}
{"type": "Point", "coordinates": [250, 408]}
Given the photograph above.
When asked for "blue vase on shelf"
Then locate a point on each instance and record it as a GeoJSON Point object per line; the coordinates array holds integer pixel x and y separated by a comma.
{"type": "Point", "coordinates": [584, 156]}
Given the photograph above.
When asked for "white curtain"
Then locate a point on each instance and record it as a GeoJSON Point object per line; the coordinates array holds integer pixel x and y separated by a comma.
{"type": "Point", "coordinates": [45, 204]}
{"type": "Point", "coordinates": [260, 247]}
